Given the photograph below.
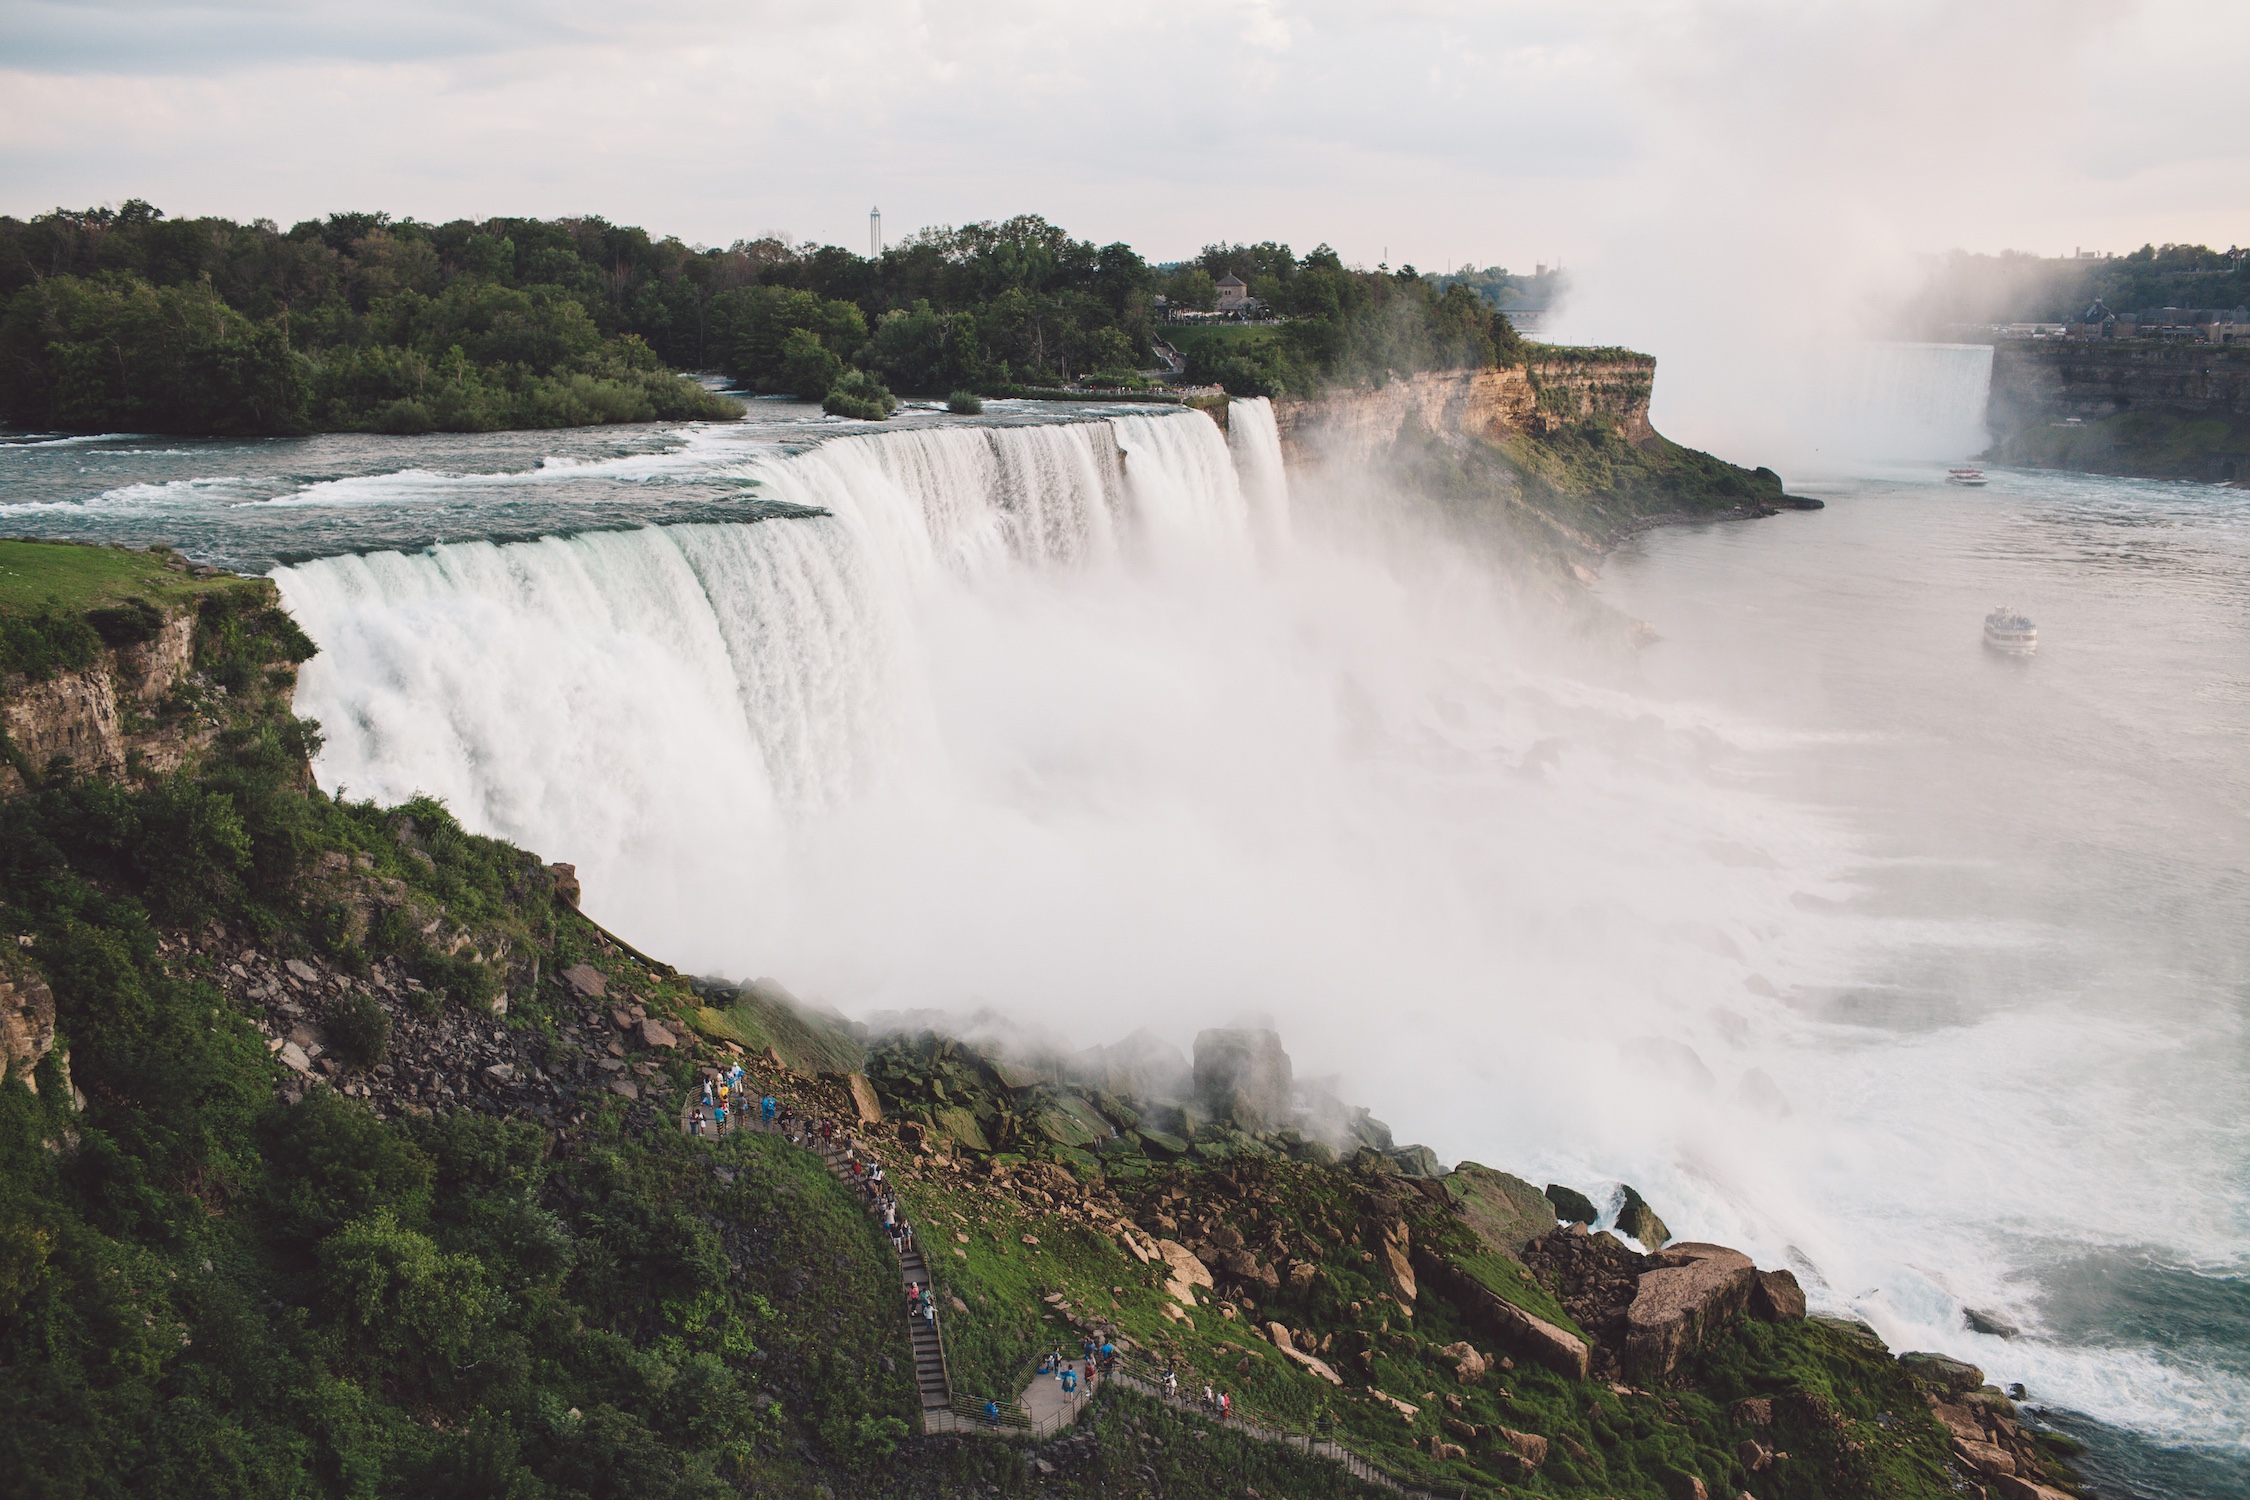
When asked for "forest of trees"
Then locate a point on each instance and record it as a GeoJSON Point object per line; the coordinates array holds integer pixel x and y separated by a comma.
{"type": "Point", "coordinates": [127, 320]}
{"type": "Point", "coordinates": [2016, 287]}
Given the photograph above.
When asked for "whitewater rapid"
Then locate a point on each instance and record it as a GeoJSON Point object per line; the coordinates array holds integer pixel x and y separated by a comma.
{"type": "Point", "coordinates": [1098, 724]}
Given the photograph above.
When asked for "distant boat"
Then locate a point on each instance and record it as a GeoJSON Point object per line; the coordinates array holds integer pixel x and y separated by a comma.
{"type": "Point", "coordinates": [1964, 476]}
{"type": "Point", "coordinates": [2008, 630]}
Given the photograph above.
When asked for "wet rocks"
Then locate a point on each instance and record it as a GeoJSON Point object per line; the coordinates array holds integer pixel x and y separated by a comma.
{"type": "Point", "coordinates": [1636, 1218]}
{"type": "Point", "coordinates": [1691, 1292]}
{"type": "Point", "coordinates": [1777, 1297]}
{"type": "Point", "coordinates": [1570, 1205]}
{"type": "Point", "coordinates": [1942, 1372]}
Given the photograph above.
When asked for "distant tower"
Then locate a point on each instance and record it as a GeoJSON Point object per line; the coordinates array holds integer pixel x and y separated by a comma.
{"type": "Point", "coordinates": [874, 234]}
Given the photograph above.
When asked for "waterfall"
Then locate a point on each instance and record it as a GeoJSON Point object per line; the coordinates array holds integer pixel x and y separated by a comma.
{"type": "Point", "coordinates": [1908, 401]}
{"type": "Point", "coordinates": [651, 703]}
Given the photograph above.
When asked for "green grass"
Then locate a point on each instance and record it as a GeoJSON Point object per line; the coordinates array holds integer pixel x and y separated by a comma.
{"type": "Point", "coordinates": [74, 578]}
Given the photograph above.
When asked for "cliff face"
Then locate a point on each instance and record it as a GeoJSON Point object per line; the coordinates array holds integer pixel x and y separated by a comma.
{"type": "Point", "coordinates": [102, 716]}
{"type": "Point", "coordinates": [119, 670]}
{"type": "Point", "coordinates": [1560, 448]}
{"type": "Point", "coordinates": [1358, 427]}
{"type": "Point", "coordinates": [2167, 411]}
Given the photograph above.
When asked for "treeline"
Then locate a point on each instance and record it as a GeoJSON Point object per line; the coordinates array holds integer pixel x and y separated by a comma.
{"type": "Point", "coordinates": [125, 319]}
{"type": "Point", "coordinates": [2015, 287]}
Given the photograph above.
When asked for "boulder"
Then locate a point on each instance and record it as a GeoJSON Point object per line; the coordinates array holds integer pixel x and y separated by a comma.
{"type": "Point", "coordinates": [1530, 1336]}
{"type": "Point", "coordinates": [1504, 1212]}
{"type": "Point", "coordinates": [962, 1126]}
{"type": "Point", "coordinates": [909, 1135]}
{"type": "Point", "coordinates": [1777, 1298]}
{"type": "Point", "coordinates": [1188, 1273]}
{"type": "Point", "coordinates": [1398, 1261]}
{"type": "Point", "coordinates": [295, 1057]}
{"type": "Point", "coordinates": [1243, 1075]}
{"type": "Point", "coordinates": [1468, 1365]}
{"type": "Point", "coordinates": [1754, 1456]}
{"type": "Point", "coordinates": [1942, 1372]}
{"type": "Point", "coordinates": [1636, 1218]}
{"type": "Point", "coordinates": [1694, 1290]}
{"type": "Point", "coordinates": [652, 1034]}
{"type": "Point", "coordinates": [586, 981]}
{"type": "Point", "coordinates": [566, 883]}
{"type": "Point", "coordinates": [1853, 1329]}
{"type": "Point", "coordinates": [2014, 1487]}
{"type": "Point", "coordinates": [863, 1099]}
{"type": "Point", "coordinates": [1416, 1161]}
{"type": "Point", "coordinates": [1571, 1206]}
{"type": "Point", "coordinates": [1989, 1323]}
{"type": "Point", "coordinates": [1985, 1458]}
{"type": "Point", "coordinates": [302, 971]}
{"type": "Point", "coordinates": [624, 1090]}
{"type": "Point", "coordinates": [1528, 1446]}
{"type": "Point", "coordinates": [1442, 1450]}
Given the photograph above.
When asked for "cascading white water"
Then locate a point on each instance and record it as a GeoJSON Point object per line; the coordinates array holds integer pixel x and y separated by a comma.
{"type": "Point", "coordinates": [1894, 401]}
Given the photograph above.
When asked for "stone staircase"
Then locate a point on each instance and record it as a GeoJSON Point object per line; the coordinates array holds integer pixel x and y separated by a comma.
{"type": "Point", "coordinates": [929, 1354]}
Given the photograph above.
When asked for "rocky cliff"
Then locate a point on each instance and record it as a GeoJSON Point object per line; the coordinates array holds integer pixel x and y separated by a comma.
{"type": "Point", "coordinates": [1560, 447]}
{"type": "Point", "coordinates": [2164, 411]}
{"type": "Point", "coordinates": [129, 665]}
{"type": "Point", "coordinates": [1359, 427]}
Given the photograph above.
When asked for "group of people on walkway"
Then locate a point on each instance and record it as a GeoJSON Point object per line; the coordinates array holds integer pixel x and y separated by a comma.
{"type": "Point", "coordinates": [1096, 1360]}
{"type": "Point", "coordinates": [725, 1095]}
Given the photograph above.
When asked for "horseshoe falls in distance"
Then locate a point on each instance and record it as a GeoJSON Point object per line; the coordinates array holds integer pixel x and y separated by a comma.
{"type": "Point", "coordinates": [1099, 725]}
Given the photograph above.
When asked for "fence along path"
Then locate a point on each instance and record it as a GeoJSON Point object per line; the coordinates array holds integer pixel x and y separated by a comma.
{"type": "Point", "coordinates": [1335, 1453]}
{"type": "Point", "coordinates": [1036, 1412]}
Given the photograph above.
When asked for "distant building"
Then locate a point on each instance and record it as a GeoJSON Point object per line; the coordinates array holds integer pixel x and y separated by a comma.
{"type": "Point", "coordinates": [1233, 295]}
{"type": "Point", "coordinates": [874, 234]}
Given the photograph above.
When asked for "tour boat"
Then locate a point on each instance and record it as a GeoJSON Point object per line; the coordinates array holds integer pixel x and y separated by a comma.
{"type": "Point", "coordinates": [1964, 476]}
{"type": "Point", "coordinates": [2008, 629]}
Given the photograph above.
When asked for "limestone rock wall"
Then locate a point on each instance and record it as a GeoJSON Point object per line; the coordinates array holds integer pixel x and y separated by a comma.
{"type": "Point", "coordinates": [1346, 427]}
{"type": "Point", "coordinates": [102, 715]}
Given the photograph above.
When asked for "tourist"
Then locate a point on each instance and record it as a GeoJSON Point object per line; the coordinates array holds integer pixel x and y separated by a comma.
{"type": "Point", "coordinates": [1069, 1381]}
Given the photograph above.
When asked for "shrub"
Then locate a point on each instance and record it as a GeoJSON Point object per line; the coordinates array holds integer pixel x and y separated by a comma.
{"type": "Point", "coordinates": [360, 1029]}
{"type": "Point", "coordinates": [127, 624]}
{"type": "Point", "coordinates": [859, 394]}
{"type": "Point", "coordinates": [964, 403]}
{"type": "Point", "coordinates": [40, 645]}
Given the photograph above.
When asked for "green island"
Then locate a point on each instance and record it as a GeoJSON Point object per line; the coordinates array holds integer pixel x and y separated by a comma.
{"type": "Point", "coordinates": [342, 1154]}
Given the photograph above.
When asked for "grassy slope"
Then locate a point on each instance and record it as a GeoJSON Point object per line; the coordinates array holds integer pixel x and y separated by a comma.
{"type": "Point", "coordinates": [208, 1290]}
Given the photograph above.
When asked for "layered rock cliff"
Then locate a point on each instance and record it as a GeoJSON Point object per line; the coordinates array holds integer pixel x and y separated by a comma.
{"type": "Point", "coordinates": [2156, 410]}
{"type": "Point", "coordinates": [1561, 445]}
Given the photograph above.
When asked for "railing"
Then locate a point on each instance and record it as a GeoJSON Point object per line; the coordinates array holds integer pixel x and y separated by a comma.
{"type": "Point", "coordinates": [1325, 1448]}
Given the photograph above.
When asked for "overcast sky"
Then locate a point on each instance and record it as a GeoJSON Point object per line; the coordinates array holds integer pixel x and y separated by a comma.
{"type": "Point", "coordinates": [1786, 154]}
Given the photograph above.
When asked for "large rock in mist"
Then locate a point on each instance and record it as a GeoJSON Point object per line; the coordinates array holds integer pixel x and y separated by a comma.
{"type": "Point", "coordinates": [1243, 1075]}
{"type": "Point", "coordinates": [1693, 1291]}
{"type": "Point", "coordinates": [1505, 1212]}
{"type": "Point", "coordinates": [1636, 1218]}
{"type": "Point", "coordinates": [1571, 1206]}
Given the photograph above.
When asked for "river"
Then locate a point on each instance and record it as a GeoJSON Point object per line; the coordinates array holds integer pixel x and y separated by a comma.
{"type": "Point", "coordinates": [1916, 968]}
